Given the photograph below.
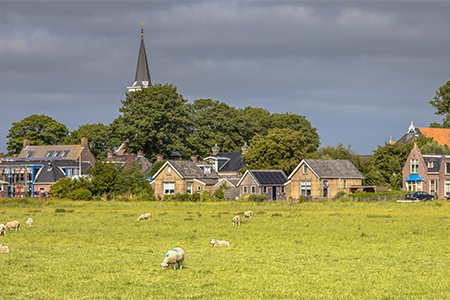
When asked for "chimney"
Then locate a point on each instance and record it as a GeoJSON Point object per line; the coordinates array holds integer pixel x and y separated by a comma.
{"type": "Point", "coordinates": [194, 158]}
{"type": "Point", "coordinates": [245, 148]}
{"type": "Point", "coordinates": [2, 155]}
{"type": "Point", "coordinates": [215, 150]}
{"type": "Point", "coordinates": [140, 153]}
{"type": "Point", "coordinates": [26, 143]}
{"type": "Point", "coordinates": [110, 154]}
{"type": "Point", "coordinates": [159, 158]}
{"type": "Point", "coordinates": [84, 143]}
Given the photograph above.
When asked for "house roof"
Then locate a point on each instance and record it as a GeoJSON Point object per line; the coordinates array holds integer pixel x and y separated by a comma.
{"type": "Point", "coordinates": [66, 152]}
{"type": "Point", "coordinates": [266, 177]}
{"type": "Point", "coordinates": [190, 169]}
{"type": "Point", "coordinates": [435, 160]}
{"type": "Point", "coordinates": [331, 168]}
{"type": "Point", "coordinates": [128, 159]}
{"type": "Point", "coordinates": [440, 135]}
{"type": "Point", "coordinates": [234, 163]}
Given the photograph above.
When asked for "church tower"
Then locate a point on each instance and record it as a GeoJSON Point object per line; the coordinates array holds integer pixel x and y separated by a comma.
{"type": "Point", "coordinates": [142, 79]}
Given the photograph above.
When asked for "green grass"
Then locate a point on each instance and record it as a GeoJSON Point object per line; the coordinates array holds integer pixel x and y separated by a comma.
{"type": "Point", "coordinates": [97, 250]}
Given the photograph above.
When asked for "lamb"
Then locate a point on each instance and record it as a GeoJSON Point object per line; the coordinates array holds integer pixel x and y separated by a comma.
{"type": "Point", "coordinates": [30, 222]}
{"type": "Point", "coordinates": [248, 214]}
{"type": "Point", "coordinates": [13, 224]}
{"type": "Point", "coordinates": [146, 216]}
{"type": "Point", "coordinates": [175, 257]}
{"type": "Point", "coordinates": [2, 229]}
{"type": "Point", "coordinates": [217, 243]}
{"type": "Point", "coordinates": [236, 220]}
{"type": "Point", "coordinates": [4, 249]}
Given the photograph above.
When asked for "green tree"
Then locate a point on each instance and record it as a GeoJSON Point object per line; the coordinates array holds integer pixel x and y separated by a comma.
{"type": "Point", "coordinates": [339, 152]}
{"type": "Point", "coordinates": [155, 120]}
{"type": "Point", "coordinates": [103, 177]}
{"type": "Point", "coordinates": [300, 124]}
{"type": "Point", "coordinates": [279, 149]}
{"type": "Point", "coordinates": [434, 147]}
{"type": "Point", "coordinates": [213, 122]}
{"type": "Point", "coordinates": [251, 121]}
{"type": "Point", "coordinates": [39, 129]}
{"type": "Point", "coordinates": [441, 102]}
{"type": "Point", "coordinates": [99, 138]}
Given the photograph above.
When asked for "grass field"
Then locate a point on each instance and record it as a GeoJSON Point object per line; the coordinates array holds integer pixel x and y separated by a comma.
{"type": "Point", "coordinates": [81, 250]}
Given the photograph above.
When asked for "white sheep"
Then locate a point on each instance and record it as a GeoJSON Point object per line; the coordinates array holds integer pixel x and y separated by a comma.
{"type": "Point", "coordinates": [13, 224]}
{"type": "Point", "coordinates": [2, 229]}
{"type": "Point", "coordinates": [146, 216]}
{"type": "Point", "coordinates": [248, 214]}
{"type": "Point", "coordinates": [217, 243]}
{"type": "Point", "coordinates": [30, 222]}
{"type": "Point", "coordinates": [175, 257]}
{"type": "Point", "coordinates": [4, 249]}
{"type": "Point", "coordinates": [236, 220]}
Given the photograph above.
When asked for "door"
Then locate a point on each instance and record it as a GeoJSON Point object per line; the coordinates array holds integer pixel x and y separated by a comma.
{"type": "Point", "coordinates": [274, 193]}
{"type": "Point", "coordinates": [325, 192]}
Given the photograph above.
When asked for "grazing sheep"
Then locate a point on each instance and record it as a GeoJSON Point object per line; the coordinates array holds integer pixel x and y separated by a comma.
{"type": "Point", "coordinates": [30, 222]}
{"type": "Point", "coordinates": [175, 257]}
{"type": "Point", "coordinates": [4, 249]}
{"type": "Point", "coordinates": [13, 224]}
{"type": "Point", "coordinates": [248, 214]}
{"type": "Point", "coordinates": [2, 229]}
{"type": "Point", "coordinates": [146, 216]}
{"type": "Point", "coordinates": [217, 243]}
{"type": "Point", "coordinates": [236, 220]}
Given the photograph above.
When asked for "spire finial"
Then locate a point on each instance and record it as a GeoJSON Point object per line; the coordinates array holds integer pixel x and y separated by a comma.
{"type": "Point", "coordinates": [142, 29]}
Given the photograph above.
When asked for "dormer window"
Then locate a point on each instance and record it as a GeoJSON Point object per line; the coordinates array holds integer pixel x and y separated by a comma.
{"type": "Point", "coordinates": [64, 153]}
{"type": "Point", "coordinates": [29, 154]}
{"type": "Point", "coordinates": [49, 154]}
{"type": "Point", "coordinates": [430, 164]}
{"type": "Point", "coordinates": [207, 170]}
{"type": "Point", "coordinates": [57, 153]}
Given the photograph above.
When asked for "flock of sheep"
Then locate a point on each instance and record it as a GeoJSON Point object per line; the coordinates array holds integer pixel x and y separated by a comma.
{"type": "Point", "coordinates": [11, 225]}
{"type": "Point", "coordinates": [175, 256]}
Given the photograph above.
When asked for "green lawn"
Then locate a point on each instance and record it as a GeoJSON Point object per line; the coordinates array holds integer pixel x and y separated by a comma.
{"type": "Point", "coordinates": [98, 250]}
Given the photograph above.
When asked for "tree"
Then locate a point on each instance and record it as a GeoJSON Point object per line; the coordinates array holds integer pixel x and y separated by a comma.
{"type": "Point", "coordinates": [103, 177]}
{"type": "Point", "coordinates": [279, 149]}
{"type": "Point", "coordinates": [155, 120]}
{"type": "Point", "coordinates": [338, 152]}
{"type": "Point", "coordinates": [213, 122]}
{"type": "Point", "coordinates": [434, 147]}
{"type": "Point", "coordinates": [441, 102]}
{"type": "Point", "coordinates": [300, 124]}
{"type": "Point", "coordinates": [39, 129]}
{"type": "Point", "coordinates": [99, 138]}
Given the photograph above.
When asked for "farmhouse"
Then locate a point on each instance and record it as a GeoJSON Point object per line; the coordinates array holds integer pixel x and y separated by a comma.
{"type": "Point", "coordinates": [263, 182]}
{"type": "Point", "coordinates": [184, 176]}
{"type": "Point", "coordinates": [322, 178]}
{"type": "Point", "coordinates": [429, 173]}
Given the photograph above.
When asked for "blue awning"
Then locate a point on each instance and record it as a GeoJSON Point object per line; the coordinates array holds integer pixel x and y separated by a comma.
{"type": "Point", "coordinates": [414, 178]}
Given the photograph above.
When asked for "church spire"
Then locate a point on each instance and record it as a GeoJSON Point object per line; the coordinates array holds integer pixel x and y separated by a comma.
{"type": "Point", "coordinates": [142, 78]}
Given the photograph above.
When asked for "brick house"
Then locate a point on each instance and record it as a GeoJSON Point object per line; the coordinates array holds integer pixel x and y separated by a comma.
{"type": "Point", "coordinates": [429, 173]}
{"type": "Point", "coordinates": [263, 182]}
{"type": "Point", "coordinates": [184, 176]}
{"type": "Point", "coordinates": [227, 164]}
{"type": "Point", "coordinates": [322, 178]}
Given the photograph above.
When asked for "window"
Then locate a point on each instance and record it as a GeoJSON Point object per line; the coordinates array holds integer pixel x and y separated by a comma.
{"type": "Point", "coordinates": [64, 153]}
{"type": "Point", "coordinates": [253, 189]}
{"type": "Point", "coordinates": [264, 189]}
{"type": "Point", "coordinates": [207, 170]}
{"type": "Point", "coordinates": [169, 170]}
{"type": "Point", "coordinates": [432, 187]}
{"type": "Point", "coordinates": [447, 187]}
{"type": "Point", "coordinates": [199, 188]}
{"type": "Point", "coordinates": [57, 153]}
{"type": "Point", "coordinates": [245, 190]}
{"type": "Point", "coordinates": [189, 186]}
{"type": "Point", "coordinates": [414, 166]}
{"type": "Point", "coordinates": [29, 154]}
{"type": "Point", "coordinates": [345, 184]}
{"type": "Point", "coordinates": [305, 169]}
{"type": "Point", "coordinates": [169, 188]}
{"type": "Point", "coordinates": [305, 188]}
{"type": "Point", "coordinates": [430, 164]}
{"type": "Point", "coordinates": [49, 154]}
{"type": "Point", "coordinates": [447, 168]}
{"type": "Point", "coordinates": [282, 189]}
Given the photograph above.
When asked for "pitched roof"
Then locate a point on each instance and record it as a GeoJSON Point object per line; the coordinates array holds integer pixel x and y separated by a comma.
{"type": "Point", "coordinates": [66, 152]}
{"type": "Point", "coordinates": [266, 177]}
{"type": "Point", "coordinates": [331, 168]}
{"type": "Point", "coordinates": [190, 169]}
{"type": "Point", "coordinates": [434, 161]}
{"type": "Point", "coordinates": [142, 77]}
{"type": "Point", "coordinates": [440, 135]}
{"type": "Point", "coordinates": [128, 159]}
{"type": "Point", "coordinates": [234, 163]}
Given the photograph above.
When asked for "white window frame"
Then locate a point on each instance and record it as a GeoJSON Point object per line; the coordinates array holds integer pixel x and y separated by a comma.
{"type": "Point", "coordinates": [282, 189]}
{"type": "Point", "coordinates": [447, 187]}
{"type": "Point", "coordinates": [305, 169]}
{"type": "Point", "coordinates": [305, 188]}
{"type": "Point", "coordinates": [169, 170]}
{"type": "Point", "coordinates": [345, 184]}
{"type": "Point", "coordinates": [253, 189]}
{"type": "Point", "coordinates": [414, 166]}
{"type": "Point", "coordinates": [169, 188]}
{"type": "Point", "coordinates": [189, 187]}
{"type": "Point", "coordinates": [199, 188]}
{"type": "Point", "coordinates": [245, 189]}
{"type": "Point", "coordinates": [433, 183]}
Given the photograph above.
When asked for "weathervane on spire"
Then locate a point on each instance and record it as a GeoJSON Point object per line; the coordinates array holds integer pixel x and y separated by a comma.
{"type": "Point", "coordinates": [142, 29]}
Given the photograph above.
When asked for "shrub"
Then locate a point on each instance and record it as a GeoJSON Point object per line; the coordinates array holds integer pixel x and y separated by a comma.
{"type": "Point", "coordinates": [205, 196]}
{"type": "Point", "coordinates": [80, 194]}
{"type": "Point", "coordinates": [256, 198]}
{"type": "Point", "coordinates": [339, 194]}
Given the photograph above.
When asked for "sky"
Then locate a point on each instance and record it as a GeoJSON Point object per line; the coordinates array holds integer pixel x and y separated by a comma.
{"type": "Point", "coordinates": [359, 71]}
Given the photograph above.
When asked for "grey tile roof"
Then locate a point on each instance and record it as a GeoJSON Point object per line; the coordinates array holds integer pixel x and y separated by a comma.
{"type": "Point", "coordinates": [334, 168]}
{"type": "Point", "coordinates": [269, 177]}
{"type": "Point", "coordinates": [191, 169]}
{"type": "Point", "coordinates": [235, 162]}
{"type": "Point", "coordinates": [436, 163]}
{"type": "Point", "coordinates": [128, 159]}
{"type": "Point", "coordinates": [70, 152]}
{"type": "Point", "coordinates": [142, 70]}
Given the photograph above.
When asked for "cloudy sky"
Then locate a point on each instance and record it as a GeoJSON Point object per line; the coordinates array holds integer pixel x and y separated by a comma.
{"type": "Point", "coordinates": [360, 71]}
